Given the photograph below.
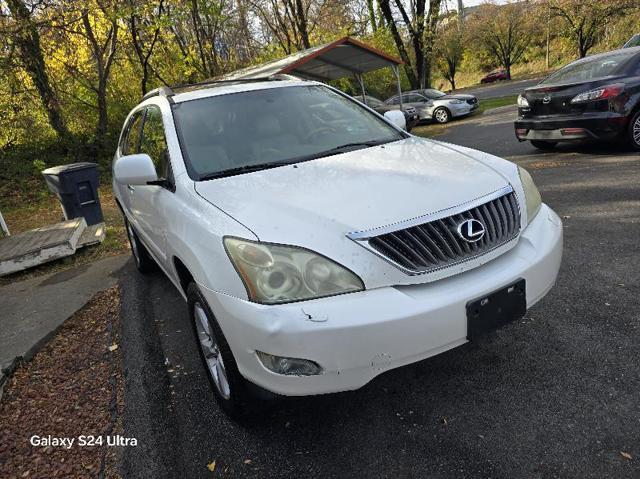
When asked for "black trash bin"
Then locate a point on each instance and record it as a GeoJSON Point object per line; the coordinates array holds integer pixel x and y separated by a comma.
{"type": "Point", "coordinates": [76, 186]}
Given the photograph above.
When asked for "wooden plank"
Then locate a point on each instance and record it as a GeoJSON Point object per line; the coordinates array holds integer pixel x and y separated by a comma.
{"type": "Point", "coordinates": [93, 234]}
{"type": "Point", "coordinates": [34, 247]}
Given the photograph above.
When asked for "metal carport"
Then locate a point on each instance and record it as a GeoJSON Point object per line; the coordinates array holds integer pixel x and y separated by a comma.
{"type": "Point", "coordinates": [342, 58]}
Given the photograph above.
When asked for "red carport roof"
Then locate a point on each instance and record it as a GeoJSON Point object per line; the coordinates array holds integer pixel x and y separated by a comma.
{"type": "Point", "coordinates": [342, 58]}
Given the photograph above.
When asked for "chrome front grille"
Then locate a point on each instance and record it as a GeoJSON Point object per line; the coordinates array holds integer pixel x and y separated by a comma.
{"type": "Point", "coordinates": [437, 243]}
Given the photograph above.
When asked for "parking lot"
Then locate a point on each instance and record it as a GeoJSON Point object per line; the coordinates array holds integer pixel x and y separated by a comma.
{"type": "Point", "coordinates": [554, 395]}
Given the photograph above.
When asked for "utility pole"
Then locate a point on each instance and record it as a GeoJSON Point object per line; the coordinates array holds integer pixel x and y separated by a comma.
{"type": "Point", "coordinates": [548, 31]}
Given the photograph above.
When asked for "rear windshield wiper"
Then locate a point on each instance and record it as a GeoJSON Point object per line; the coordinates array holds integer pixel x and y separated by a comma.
{"type": "Point", "coordinates": [242, 169]}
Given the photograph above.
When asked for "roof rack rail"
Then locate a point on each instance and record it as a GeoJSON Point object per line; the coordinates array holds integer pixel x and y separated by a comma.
{"type": "Point", "coordinates": [167, 91]}
{"type": "Point", "coordinates": [232, 80]}
{"type": "Point", "coordinates": [161, 91]}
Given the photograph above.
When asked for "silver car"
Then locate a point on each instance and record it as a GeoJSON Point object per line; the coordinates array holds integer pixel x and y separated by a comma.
{"type": "Point", "coordinates": [434, 105]}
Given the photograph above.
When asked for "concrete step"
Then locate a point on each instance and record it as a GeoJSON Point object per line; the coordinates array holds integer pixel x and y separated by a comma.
{"type": "Point", "coordinates": [38, 246]}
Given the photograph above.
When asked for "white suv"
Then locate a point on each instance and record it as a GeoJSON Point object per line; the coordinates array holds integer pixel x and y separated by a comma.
{"type": "Point", "coordinates": [316, 242]}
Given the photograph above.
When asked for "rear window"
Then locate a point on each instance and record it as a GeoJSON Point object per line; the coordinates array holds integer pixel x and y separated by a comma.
{"type": "Point", "coordinates": [589, 69]}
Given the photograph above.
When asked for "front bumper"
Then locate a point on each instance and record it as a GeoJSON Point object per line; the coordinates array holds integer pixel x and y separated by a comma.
{"type": "Point", "coordinates": [595, 125]}
{"type": "Point", "coordinates": [462, 109]}
{"type": "Point", "coordinates": [355, 337]}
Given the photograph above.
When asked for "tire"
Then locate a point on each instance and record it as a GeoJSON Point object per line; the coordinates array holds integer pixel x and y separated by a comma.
{"type": "Point", "coordinates": [141, 257]}
{"type": "Point", "coordinates": [230, 388]}
{"type": "Point", "coordinates": [441, 115]}
{"type": "Point", "coordinates": [634, 131]}
{"type": "Point", "coordinates": [544, 145]}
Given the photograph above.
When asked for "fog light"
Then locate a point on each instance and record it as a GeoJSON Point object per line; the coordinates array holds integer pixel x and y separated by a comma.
{"type": "Point", "coordinates": [289, 366]}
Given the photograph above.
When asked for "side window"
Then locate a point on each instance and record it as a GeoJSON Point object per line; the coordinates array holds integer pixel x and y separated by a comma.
{"type": "Point", "coordinates": [154, 142]}
{"type": "Point", "coordinates": [131, 138]}
{"type": "Point", "coordinates": [392, 101]}
{"type": "Point", "coordinates": [412, 98]}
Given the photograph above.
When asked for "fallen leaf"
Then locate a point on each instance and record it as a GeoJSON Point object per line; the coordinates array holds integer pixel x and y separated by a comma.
{"type": "Point", "coordinates": [113, 347]}
{"type": "Point", "coordinates": [212, 466]}
{"type": "Point", "coordinates": [626, 455]}
{"type": "Point", "coordinates": [247, 461]}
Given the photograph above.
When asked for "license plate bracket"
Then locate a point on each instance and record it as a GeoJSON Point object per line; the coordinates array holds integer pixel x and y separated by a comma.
{"type": "Point", "coordinates": [496, 309]}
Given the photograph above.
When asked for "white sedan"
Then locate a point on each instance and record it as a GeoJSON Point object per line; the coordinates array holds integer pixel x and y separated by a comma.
{"type": "Point", "coordinates": [317, 251]}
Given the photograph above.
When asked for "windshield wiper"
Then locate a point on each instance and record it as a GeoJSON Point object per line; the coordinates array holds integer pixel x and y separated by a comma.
{"type": "Point", "coordinates": [242, 169]}
{"type": "Point", "coordinates": [357, 143]}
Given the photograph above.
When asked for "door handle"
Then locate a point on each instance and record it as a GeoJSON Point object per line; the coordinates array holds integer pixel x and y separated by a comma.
{"type": "Point", "coordinates": [131, 188]}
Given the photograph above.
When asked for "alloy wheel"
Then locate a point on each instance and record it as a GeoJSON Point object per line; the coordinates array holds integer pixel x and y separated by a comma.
{"type": "Point", "coordinates": [442, 116]}
{"type": "Point", "coordinates": [211, 351]}
{"type": "Point", "coordinates": [636, 131]}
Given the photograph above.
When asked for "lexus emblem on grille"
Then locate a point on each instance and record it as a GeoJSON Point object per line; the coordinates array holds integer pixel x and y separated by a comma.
{"type": "Point", "coordinates": [471, 230]}
{"type": "Point", "coordinates": [546, 99]}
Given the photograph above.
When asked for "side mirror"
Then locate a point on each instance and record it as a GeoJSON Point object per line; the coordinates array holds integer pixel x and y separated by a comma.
{"type": "Point", "coordinates": [397, 118]}
{"type": "Point", "coordinates": [135, 170]}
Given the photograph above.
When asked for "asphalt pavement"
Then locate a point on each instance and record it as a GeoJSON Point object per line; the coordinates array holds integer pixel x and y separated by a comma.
{"type": "Point", "coordinates": [554, 395]}
{"type": "Point", "coordinates": [499, 88]}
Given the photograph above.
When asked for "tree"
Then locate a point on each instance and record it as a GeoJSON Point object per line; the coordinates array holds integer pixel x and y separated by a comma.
{"type": "Point", "coordinates": [503, 32]}
{"type": "Point", "coordinates": [586, 20]}
{"type": "Point", "coordinates": [450, 52]}
{"type": "Point", "coordinates": [287, 21]}
{"type": "Point", "coordinates": [421, 27]}
{"type": "Point", "coordinates": [101, 31]}
{"type": "Point", "coordinates": [144, 26]}
{"type": "Point", "coordinates": [26, 38]}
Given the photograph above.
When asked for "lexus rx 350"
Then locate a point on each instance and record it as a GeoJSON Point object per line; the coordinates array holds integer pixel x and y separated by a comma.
{"type": "Point", "coordinates": [317, 251]}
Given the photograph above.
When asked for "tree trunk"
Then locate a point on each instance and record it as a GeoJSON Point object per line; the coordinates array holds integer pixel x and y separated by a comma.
{"type": "Point", "coordinates": [372, 15]}
{"type": "Point", "coordinates": [103, 57]}
{"type": "Point", "coordinates": [27, 39]}
{"type": "Point", "coordinates": [408, 68]}
{"type": "Point", "coordinates": [429, 39]}
{"type": "Point", "coordinates": [303, 28]}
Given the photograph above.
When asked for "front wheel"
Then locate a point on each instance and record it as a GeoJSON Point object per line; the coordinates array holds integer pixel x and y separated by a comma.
{"type": "Point", "coordinates": [442, 115]}
{"type": "Point", "coordinates": [143, 260]}
{"type": "Point", "coordinates": [634, 131]}
{"type": "Point", "coordinates": [229, 387]}
{"type": "Point", "coordinates": [544, 145]}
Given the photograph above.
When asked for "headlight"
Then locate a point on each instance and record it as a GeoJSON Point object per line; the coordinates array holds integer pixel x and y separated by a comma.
{"type": "Point", "coordinates": [522, 102]}
{"type": "Point", "coordinates": [531, 194]}
{"type": "Point", "coordinates": [276, 274]}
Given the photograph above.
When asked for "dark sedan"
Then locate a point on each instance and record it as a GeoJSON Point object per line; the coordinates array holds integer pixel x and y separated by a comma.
{"type": "Point", "coordinates": [410, 113]}
{"type": "Point", "coordinates": [595, 98]}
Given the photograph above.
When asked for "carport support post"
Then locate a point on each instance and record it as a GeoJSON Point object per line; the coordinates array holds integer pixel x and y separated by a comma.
{"type": "Point", "coordinates": [361, 82]}
{"type": "Point", "coordinates": [396, 72]}
{"type": "Point", "coordinates": [3, 225]}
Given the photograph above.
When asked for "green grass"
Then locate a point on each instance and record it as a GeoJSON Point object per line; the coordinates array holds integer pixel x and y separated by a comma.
{"type": "Point", "coordinates": [497, 102]}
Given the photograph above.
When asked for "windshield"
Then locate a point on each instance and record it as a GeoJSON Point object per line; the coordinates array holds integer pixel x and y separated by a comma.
{"type": "Point", "coordinates": [431, 93]}
{"type": "Point", "coordinates": [589, 69]}
{"type": "Point", "coordinates": [249, 130]}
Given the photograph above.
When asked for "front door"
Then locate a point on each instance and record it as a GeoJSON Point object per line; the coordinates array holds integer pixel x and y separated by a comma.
{"type": "Point", "coordinates": [151, 201]}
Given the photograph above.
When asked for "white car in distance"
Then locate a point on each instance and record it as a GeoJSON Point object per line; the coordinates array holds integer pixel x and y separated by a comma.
{"type": "Point", "coordinates": [317, 243]}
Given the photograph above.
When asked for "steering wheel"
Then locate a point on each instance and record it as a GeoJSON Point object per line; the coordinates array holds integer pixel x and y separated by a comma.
{"type": "Point", "coordinates": [320, 129]}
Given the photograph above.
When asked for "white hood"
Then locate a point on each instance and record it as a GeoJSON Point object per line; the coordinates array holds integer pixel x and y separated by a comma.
{"type": "Point", "coordinates": [316, 203]}
{"type": "Point", "coordinates": [353, 191]}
